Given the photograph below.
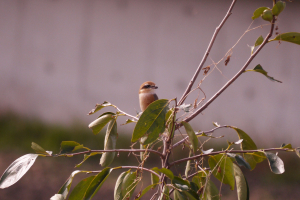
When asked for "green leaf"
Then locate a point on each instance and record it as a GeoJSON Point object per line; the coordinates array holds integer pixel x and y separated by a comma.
{"type": "Point", "coordinates": [99, 107]}
{"type": "Point", "coordinates": [80, 189]}
{"type": "Point", "coordinates": [170, 121]}
{"type": "Point", "coordinates": [109, 143]}
{"type": "Point", "coordinates": [278, 8]}
{"type": "Point", "coordinates": [211, 192]}
{"type": "Point", "coordinates": [85, 157]}
{"type": "Point", "coordinates": [69, 146]}
{"type": "Point", "coordinates": [286, 146]}
{"type": "Point", "coordinates": [118, 186]}
{"type": "Point", "coordinates": [258, 12]}
{"type": "Point", "coordinates": [146, 190]}
{"type": "Point", "coordinates": [128, 121]}
{"type": "Point", "coordinates": [259, 41]}
{"type": "Point", "coordinates": [180, 183]}
{"type": "Point", "coordinates": [275, 163]}
{"type": "Point", "coordinates": [241, 184]}
{"type": "Point", "coordinates": [17, 170]}
{"type": "Point", "coordinates": [96, 183]}
{"type": "Point", "coordinates": [154, 180]}
{"type": "Point", "coordinates": [128, 185]}
{"type": "Point", "coordinates": [192, 136]}
{"type": "Point", "coordinates": [293, 37]}
{"type": "Point", "coordinates": [179, 195]}
{"type": "Point", "coordinates": [258, 157]}
{"type": "Point", "coordinates": [165, 171]}
{"type": "Point", "coordinates": [151, 122]}
{"type": "Point", "coordinates": [223, 169]}
{"type": "Point", "coordinates": [259, 69]}
{"type": "Point", "coordinates": [64, 190]}
{"type": "Point", "coordinates": [38, 149]}
{"type": "Point", "coordinates": [297, 150]}
{"type": "Point", "coordinates": [165, 194]}
{"type": "Point", "coordinates": [188, 166]}
{"type": "Point", "coordinates": [98, 124]}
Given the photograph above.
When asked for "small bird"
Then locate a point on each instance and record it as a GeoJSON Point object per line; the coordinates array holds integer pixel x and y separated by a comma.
{"type": "Point", "coordinates": [147, 94]}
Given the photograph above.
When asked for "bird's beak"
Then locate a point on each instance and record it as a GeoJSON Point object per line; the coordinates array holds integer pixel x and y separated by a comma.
{"type": "Point", "coordinates": [154, 87]}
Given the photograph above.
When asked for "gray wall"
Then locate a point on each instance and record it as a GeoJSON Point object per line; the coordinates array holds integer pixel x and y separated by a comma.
{"type": "Point", "coordinates": [59, 58]}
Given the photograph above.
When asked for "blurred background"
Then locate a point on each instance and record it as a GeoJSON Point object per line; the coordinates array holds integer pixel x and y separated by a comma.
{"type": "Point", "coordinates": [60, 57]}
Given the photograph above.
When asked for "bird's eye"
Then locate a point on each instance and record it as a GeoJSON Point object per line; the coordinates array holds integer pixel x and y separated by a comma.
{"type": "Point", "coordinates": [147, 86]}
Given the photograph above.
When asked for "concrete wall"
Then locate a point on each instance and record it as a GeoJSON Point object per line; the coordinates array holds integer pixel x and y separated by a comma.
{"type": "Point", "coordinates": [59, 58]}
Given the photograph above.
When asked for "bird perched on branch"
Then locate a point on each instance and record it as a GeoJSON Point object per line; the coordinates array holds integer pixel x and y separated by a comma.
{"type": "Point", "coordinates": [147, 94]}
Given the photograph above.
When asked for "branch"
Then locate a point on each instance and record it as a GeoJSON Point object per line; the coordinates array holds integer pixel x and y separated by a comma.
{"type": "Point", "coordinates": [199, 133]}
{"type": "Point", "coordinates": [227, 151]}
{"type": "Point", "coordinates": [115, 150]}
{"type": "Point", "coordinates": [188, 89]}
{"type": "Point", "coordinates": [138, 168]}
{"type": "Point", "coordinates": [197, 112]}
{"type": "Point", "coordinates": [126, 114]}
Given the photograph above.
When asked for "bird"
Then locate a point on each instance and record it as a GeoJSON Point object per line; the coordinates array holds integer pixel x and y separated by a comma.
{"type": "Point", "coordinates": [147, 94]}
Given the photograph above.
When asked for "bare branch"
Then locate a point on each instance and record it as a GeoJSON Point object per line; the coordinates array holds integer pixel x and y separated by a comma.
{"type": "Point", "coordinates": [235, 76]}
{"type": "Point", "coordinates": [138, 168]}
{"type": "Point", "coordinates": [188, 89]}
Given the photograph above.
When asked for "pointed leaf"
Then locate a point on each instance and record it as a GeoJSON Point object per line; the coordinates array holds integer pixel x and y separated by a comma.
{"type": "Point", "coordinates": [99, 107]}
{"type": "Point", "coordinates": [38, 149]}
{"type": "Point", "coordinates": [293, 37]}
{"type": "Point", "coordinates": [207, 151]}
{"type": "Point", "coordinates": [118, 186]}
{"type": "Point", "coordinates": [128, 121]}
{"type": "Point", "coordinates": [297, 150]}
{"type": "Point", "coordinates": [192, 136]}
{"type": "Point", "coordinates": [64, 190]}
{"type": "Point", "coordinates": [96, 183]}
{"type": "Point", "coordinates": [241, 184]}
{"type": "Point", "coordinates": [275, 163]}
{"type": "Point", "coordinates": [258, 12]}
{"type": "Point", "coordinates": [165, 171]}
{"type": "Point", "coordinates": [69, 146]}
{"type": "Point", "coordinates": [259, 69]}
{"type": "Point", "coordinates": [98, 124]}
{"type": "Point", "coordinates": [223, 169]}
{"type": "Point", "coordinates": [17, 170]}
{"type": "Point", "coordinates": [151, 122]}
{"type": "Point", "coordinates": [278, 8]}
{"type": "Point", "coordinates": [259, 41]}
{"type": "Point", "coordinates": [286, 146]}
{"type": "Point", "coordinates": [109, 143]}
{"type": "Point", "coordinates": [85, 157]}
{"type": "Point", "coordinates": [80, 189]}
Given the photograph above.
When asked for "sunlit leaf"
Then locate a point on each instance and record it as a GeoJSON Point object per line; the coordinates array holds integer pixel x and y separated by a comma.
{"type": "Point", "coordinates": [17, 170]}
{"type": "Point", "coordinates": [223, 169]}
{"type": "Point", "coordinates": [293, 37]}
{"type": "Point", "coordinates": [128, 121]}
{"type": "Point", "coordinates": [38, 149]}
{"type": "Point", "coordinates": [96, 183]}
{"type": "Point", "coordinates": [276, 164]}
{"type": "Point", "coordinates": [185, 107]}
{"type": "Point", "coordinates": [259, 69]}
{"type": "Point", "coordinates": [180, 183]}
{"type": "Point", "coordinates": [241, 184]}
{"type": "Point", "coordinates": [151, 122]}
{"type": "Point", "coordinates": [64, 190]}
{"type": "Point", "coordinates": [80, 189]}
{"type": "Point", "coordinates": [69, 146]}
{"type": "Point", "coordinates": [109, 143]}
{"type": "Point", "coordinates": [216, 124]}
{"type": "Point", "coordinates": [207, 151]}
{"type": "Point", "coordinates": [57, 197]}
{"type": "Point", "coordinates": [258, 12]}
{"type": "Point", "coordinates": [165, 171]}
{"type": "Point", "coordinates": [192, 136]}
{"type": "Point", "coordinates": [85, 157]}
{"type": "Point", "coordinates": [239, 141]}
{"type": "Point", "coordinates": [98, 124]}
{"type": "Point", "coordinates": [258, 42]}
{"type": "Point", "coordinates": [258, 157]}
{"type": "Point", "coordinates": [297, 150]}
{"type": "Point", "coordinates": [99, 107]}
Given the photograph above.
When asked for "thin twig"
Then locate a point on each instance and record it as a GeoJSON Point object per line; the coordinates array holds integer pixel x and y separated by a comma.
{"type": "Point", "coordinates": [242, 70]}
{"type": "Point", "coordinates": [138, 168]}
{"type": "Point", "coordinates": [199, 133]}
{"type": "Point", "coordinates": [227, 151]}
{"type": "Point", "coordinates": [188, 89]}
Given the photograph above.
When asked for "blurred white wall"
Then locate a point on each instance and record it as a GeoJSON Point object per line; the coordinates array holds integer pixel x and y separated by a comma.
{"type": "Point", "coordinates": [61, 57]}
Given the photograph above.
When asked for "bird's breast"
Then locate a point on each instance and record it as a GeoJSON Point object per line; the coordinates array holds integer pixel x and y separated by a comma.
{"type": "Point", "coordinates": [146, 99]}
